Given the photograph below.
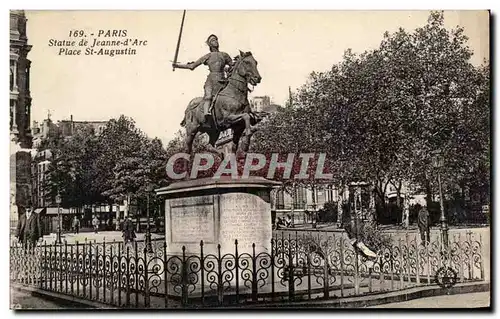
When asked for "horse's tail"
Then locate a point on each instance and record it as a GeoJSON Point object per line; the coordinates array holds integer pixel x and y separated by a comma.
{"type": "Point", "coordinates": [188, 114]}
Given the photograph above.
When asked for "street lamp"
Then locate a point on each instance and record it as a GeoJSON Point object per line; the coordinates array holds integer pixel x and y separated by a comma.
{"type": "Point", "coordinates": [438, 163]}
{"type": "Point", "coordinates": [315, 216]}
{"type": "Point", "coordinates": [58, 202]}
{"type": "Point", "coordinates": [149, 247]}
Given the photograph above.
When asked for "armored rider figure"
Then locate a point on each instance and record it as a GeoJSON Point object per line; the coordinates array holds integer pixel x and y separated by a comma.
{"type": "Point", "coordinates": [217, 62]}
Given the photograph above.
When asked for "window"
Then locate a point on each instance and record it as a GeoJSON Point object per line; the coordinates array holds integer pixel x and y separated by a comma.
{"type": "Point", "coordinates": [299, 198]}
{"type": "Point", "coordinates": [12, 113]}
{"type": "Point", "coordinates": [28, 75]}
{"type": "Point", "coordinates": [280, 200]}
{"type": "Point", "coordinates": [12, 74]}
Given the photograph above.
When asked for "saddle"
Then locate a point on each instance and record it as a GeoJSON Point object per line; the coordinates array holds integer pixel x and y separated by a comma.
{"type": "Point", "coordinates": [222, 85]}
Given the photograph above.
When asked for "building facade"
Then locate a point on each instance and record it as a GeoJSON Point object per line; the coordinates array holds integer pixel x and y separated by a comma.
{"type": "Point", "coordinates": [39, 168]}
{"type": "Point", "coordinates": [20, 98]}
{"type": "Point", "coordinates": [44, 157]}
{"type": "Point", "coordinates": [20, 112]}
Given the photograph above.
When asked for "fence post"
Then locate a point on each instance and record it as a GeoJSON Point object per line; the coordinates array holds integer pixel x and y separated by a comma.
{"type": "Point", "coordinates": [77, 270]}
{"type": "Point", "coordinates": [184, 278]}
{"type": "Point", "coordinates": [481, 264]}
{"type": "Point", "coordinates": [51, 266]}
{"type": "Point", "coordinates": [401, 266]}
{"type": "Point", "coordinates": [96, 278]}
{"type": "Point", "coordinates": [136, 271]}
{"type": "Point", "coordinates": [45, 264]}
{"type": "Point", "coordinates": [111, 273]}
{"type": "Point", "coordinates": [461, 254]}
{"type": "Point", "coordinates": [202, 273]}
{"type": "Point", "coordinates": [236, 270]}
{"type": "Point", "coordinates": [84, 257]}
{"type": "Point", "coordinates": [392, 263]}
{"type": "Point", "coordinates": [326, 283]}
{"type": "Point", "coordinates": [103, 256]}
{"type": "Point", "coordinates": [119, 281]}
{"type": "Point", "coordinates": [146, 279]}
{"type": "Point", "coordinates": [341, 251]}
{"type": "Point", "coordinates": [90, 269]}
{"type": "Point", "coordinates": [417, 258]}
{"type": "Point", "coordinates": [308, 264]}
{"type": "Point", "coordinates": [273, 247]}
{"type": "Point", "coordinates": [127, 261]}
{"type": "Point", "coordinates": [66, 266]}
{"type": "Point", "coordinates": [471, 257]}
{"type": "Point", "coordinates": [254, 274]}
{"type": "Point", "coordinates": [408, 264]}
{"type": "Point", "coordinates": [72, 273]}
{"type": "Point", "coordinates": [59, 268]}
{"type": "Point", "coordinates": [165, 273]}
{"type": "Point", "coordinates": [291, 270]}
{"type": "Point", "coordinates": [356, 272]}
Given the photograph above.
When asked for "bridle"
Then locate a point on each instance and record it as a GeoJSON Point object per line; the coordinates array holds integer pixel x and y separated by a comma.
{"type": "Point", "coordinates": [232, 77]}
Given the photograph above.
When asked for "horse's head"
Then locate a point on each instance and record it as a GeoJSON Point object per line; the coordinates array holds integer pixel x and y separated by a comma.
{"type": "Point", "coordinates": [246, 67]}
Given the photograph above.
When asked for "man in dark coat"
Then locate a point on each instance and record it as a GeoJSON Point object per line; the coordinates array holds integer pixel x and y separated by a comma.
{"type": "Point", "coordinates": [424, 224]}
{"type": "Point", "coordinates": [29, 227]}
{"type": "Point", "coordinates": [128, 230]}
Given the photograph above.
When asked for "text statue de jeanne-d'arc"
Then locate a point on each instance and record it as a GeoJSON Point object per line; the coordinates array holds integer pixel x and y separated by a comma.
{"type": "Point", "coordinates": [240, 160]}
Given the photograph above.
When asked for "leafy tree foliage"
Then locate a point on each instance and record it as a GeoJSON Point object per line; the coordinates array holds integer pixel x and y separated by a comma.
{"type": "Point", "coordinates": [121, 163]}
{"type": "Point", "coordinates": [382, 115]}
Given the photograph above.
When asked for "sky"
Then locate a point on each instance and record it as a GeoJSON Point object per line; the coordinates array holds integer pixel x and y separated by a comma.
{"type": "Point", "coordinates": [288, 46]}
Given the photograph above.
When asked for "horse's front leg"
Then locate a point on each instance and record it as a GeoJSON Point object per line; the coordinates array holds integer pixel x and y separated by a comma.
{"type": "Point", "coordinates": [248, 125]}
{"type": "Point", "coordinates": [190, 135]}
{"type": "Point", "coordinates": [237, 132]}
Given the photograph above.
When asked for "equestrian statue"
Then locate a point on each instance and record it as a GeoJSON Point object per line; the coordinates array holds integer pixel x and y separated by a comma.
{"type": "Point", "coordinates": [225, 103]}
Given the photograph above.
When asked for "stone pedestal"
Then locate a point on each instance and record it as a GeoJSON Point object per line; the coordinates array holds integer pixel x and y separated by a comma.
{"type": "Point", "coordinates": [218, 211]}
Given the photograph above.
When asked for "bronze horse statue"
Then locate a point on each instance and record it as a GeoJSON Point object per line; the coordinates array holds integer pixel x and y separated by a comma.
{"type": "Point", "coordinates": [231, 109]}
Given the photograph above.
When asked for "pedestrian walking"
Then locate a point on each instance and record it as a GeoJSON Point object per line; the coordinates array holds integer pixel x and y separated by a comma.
{"type": "Point", "coordinates": [29, 228]}
{"type": "Point", "coordinates": [424, 225]}
{"type": "Point", "coordinates": [128, 230]}
{"type": "Point", "coordinates": [76, 225]}
{"type": "Point", "coordinates": [95, 224]}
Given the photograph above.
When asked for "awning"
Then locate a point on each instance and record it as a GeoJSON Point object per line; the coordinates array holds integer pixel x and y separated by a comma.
{"type": "Point", "coordinates": [40, 210]}
{"type": "Point", "coordinates": [53, 211]}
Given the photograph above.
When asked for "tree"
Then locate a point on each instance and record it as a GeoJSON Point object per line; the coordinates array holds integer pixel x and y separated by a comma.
{"type": "Point", "coordinates": [120, 163]}
{"type": "Point", "coordinates": [70, 173]}
{"type": "Point", "coordinates": [382, 114]}
{"type": "Point", "coordinates": [127, 161]}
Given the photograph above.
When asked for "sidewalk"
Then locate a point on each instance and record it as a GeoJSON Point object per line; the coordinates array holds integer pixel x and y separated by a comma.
{"type": "Point", "coordinates": [109, 236]}
{"type": "Point", "coordinates": [471, 300]}
{"type": "Point", "coordinates": [333, 227]}
{"type": "Point", "coordinates": [20, 300]}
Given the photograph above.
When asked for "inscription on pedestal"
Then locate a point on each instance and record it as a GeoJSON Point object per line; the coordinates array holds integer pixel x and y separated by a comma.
{"type": "Point", "coordinates": [192, 220]}
{"type": "Point", "coordinates": [245, 217]}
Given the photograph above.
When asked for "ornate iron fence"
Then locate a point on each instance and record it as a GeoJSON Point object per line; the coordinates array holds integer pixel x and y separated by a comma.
{"type": "Point", "coordinates": [301, 267]}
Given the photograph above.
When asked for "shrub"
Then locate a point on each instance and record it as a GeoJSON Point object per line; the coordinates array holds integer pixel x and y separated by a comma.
{"type": "Point", "coordinates": [328, 213]}
{"type": "Point", "coordinates": [372, 237]}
